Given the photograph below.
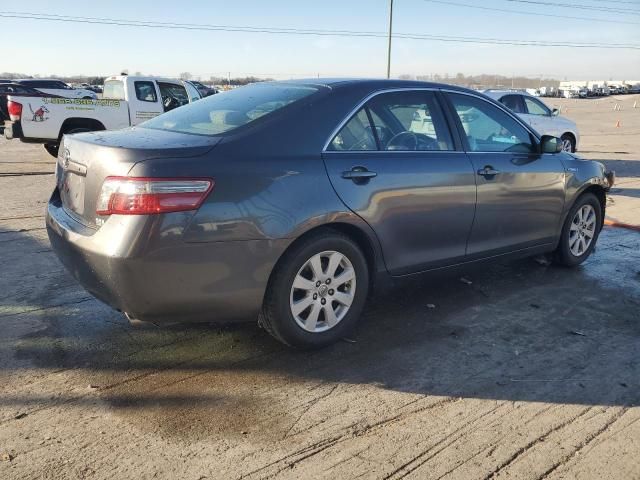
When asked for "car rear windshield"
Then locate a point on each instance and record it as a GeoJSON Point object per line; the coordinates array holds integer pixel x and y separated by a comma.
{"type": "Point", "coordinates": [113, 89]}
{"type": "Point", "coordinates": [229, 110]}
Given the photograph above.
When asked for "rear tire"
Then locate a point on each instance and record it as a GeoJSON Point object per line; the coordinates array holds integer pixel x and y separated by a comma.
{"type": "Point", "coordinates": [580, 231]}
{"type": "Point", "coordinates": [309, 303]}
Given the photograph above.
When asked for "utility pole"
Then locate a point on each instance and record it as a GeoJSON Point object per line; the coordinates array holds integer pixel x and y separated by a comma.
{"type": "Point", "coordinates": [389, 44]}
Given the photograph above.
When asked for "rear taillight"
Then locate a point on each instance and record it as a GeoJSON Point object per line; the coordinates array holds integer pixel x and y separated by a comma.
{"type": "Point", "coordinates": [15, 110]}
{"type": "Point", "coordinates": [144, 196]}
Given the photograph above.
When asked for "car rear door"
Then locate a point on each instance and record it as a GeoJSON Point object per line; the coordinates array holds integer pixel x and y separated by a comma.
{"type": "Point", "coordinates": [395, 164]}
{"type": "Point", "coordinates": [520, 191]}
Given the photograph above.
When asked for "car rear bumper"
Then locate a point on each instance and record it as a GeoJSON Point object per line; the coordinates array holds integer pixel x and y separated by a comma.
{"type": "Point", "coordinates": [126, 265]}
{"type": "Point", "coordinates": [12, 130]}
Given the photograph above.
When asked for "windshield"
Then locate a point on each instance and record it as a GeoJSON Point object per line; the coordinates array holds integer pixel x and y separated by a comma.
{"type": "Point", "coordinates": [229, 110]}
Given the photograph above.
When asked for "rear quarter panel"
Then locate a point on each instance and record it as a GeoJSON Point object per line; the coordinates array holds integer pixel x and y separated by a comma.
{"type": "Point", "coordinates": [270, 182]}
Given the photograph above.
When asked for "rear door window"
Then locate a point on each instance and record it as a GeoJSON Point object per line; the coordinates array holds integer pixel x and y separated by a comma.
{"type": "Point", "coordinates": [513, 103]}
{"type": "Point", "coordinates": [356, 135]}
{"type": "Point", "coordinates": [410, 120]}
{"type": "Point", "coordinates": [145, 91]}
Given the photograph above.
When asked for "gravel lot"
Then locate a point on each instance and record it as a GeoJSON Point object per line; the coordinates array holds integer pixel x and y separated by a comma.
{"type": "Point", "coordinates": [521, 370]}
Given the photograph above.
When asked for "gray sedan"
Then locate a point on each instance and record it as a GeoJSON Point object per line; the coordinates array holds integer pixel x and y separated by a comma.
{"type": "Point", "coordinates": [286, 201]}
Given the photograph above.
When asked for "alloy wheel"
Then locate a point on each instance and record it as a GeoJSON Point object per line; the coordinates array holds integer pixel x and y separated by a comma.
{"type": "Point", "coordinates": [322, 291]}
{"type": "Point", "coordinates": [567, 145]}
{"type": "Point", "coordinates": [582, 230]}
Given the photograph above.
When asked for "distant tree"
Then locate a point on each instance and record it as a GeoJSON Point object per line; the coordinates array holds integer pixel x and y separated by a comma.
{"type": "Point", "coordinates": [185, 76]}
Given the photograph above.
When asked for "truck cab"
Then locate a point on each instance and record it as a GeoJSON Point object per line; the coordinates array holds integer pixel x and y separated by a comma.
{"type": "Point", "coordinates": [126, 101]}
{"type": "Point", "coordinates": [148, 96]}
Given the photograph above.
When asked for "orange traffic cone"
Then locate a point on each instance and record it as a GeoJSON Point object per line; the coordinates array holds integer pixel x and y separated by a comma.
{"type": "Point", "coordinates": [618, 124]}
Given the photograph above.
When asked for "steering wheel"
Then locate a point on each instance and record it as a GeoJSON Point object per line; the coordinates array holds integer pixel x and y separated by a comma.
{"type": "Point", "coordinates": [412, 141]}
{"type": "Point", "coordinates": [403, 141]}
{"type": "Point", "coordinates": [170, 103]}
{"type": "Point", "coordinates": [425, 142]}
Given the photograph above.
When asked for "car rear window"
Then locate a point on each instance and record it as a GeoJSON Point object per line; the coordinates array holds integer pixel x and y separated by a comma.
{"type": "Point", "coordinates": [113, 89]}
{"type": "Point", "coordinates": [229, 110]}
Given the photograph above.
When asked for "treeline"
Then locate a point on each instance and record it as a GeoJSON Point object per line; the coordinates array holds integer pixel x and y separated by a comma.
{"type": "Point", "coordinates": [91, 80]}
{"type": "Point", "coordinates": [486, 80]}
{"type": "Point", "coordinates": [473, 81]}
{"type": "Point", "coordinates": [236, 81]}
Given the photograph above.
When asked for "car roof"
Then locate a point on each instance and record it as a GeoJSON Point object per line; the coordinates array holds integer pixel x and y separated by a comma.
{"type": "Point", "coordinates": [499, 93]}
{"type": "Point", "coordinates": [371, 83]}
{"type": "Point", "coordinates": [40, 80]}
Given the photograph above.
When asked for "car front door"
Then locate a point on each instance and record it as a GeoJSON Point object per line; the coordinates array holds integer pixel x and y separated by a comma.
{"type": "Point", "coordinates": [543, 120]}
{"type": "Point", "coordinates": [395, 164]}
{"type": "Point", "coordinates": [520, 191]}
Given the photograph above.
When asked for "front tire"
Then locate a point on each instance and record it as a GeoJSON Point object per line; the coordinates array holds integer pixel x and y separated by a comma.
{"type": "Point", "coordinates": [317, 292]}
{"type": "Point", "coordinates": [580, 231]}
{"type": "Point", "coordinates": [568, 143]}
{"type": "Point", "coordinates": [52, 149]}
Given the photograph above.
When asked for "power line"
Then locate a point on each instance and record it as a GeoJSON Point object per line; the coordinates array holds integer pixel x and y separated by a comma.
{"type": "Point", "coordinates": [294, 31]}
{"type": "Point", "coordinates": [520, 12]}
{"type": "Point", "coordinates": [625, 11]}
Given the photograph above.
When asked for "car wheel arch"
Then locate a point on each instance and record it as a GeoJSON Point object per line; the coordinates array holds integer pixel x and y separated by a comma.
{"type": "Point", "coordinates": [597, 190]}
{"type": "Point", "coordinates": [79, 122]}
{"type": "Point", "coordinates": [367, 244]}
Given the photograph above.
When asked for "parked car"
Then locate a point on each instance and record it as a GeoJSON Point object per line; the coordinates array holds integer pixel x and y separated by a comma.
{"type": "Point", "coordinates": [16, 90]}
{"type": "Point", "coordinates": [539, 116]}
{"type": "Point", "coordinates": [126, 100]}
{"type": "Point", "coordinates": [287, 200]}
{"type": "Point", "coordinates": [57, 87]}
{"type": "Point", "coordinates": [204, 90]}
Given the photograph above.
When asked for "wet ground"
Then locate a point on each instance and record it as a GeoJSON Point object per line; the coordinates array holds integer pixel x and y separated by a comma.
{"type": "Point", "coordinates": [521, 370]}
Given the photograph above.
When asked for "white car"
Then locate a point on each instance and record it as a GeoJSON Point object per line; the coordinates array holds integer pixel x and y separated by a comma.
{"type": "Point", "coordinates": [58, 87]}
{"type": "Point", "coordinates": [544, 120]}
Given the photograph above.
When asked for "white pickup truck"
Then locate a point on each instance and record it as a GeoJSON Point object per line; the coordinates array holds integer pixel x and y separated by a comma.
{"type": "Point", "coordinates": [126, 101]}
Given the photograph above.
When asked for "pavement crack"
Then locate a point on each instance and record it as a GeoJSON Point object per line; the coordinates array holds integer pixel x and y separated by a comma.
{"type": "Point", "coordinates": [585, 443]}
{"type": "Point", "coordinates": [48, 307]}
{"type": "Point", "coordinates": [423, 457]}
{"type": "Point", "coordinates": [308, 406]}
{"type": "Point", "coordinates": [524, 449]}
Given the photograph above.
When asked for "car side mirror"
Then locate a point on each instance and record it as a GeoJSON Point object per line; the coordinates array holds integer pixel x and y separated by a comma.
{"type": "Point", "coordinates": [555, 112]}
{"type": "Point", "coordinates": [550, 144]}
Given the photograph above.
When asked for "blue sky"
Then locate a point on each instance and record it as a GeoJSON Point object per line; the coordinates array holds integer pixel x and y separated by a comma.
{"type": "Point", "coordinates": [39, 47]}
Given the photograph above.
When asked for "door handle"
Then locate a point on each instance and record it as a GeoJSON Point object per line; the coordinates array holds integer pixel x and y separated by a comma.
{"type": "Point", "coordinates": [358, 173]}
{"type": "Point", "coordinates": [488, 171]}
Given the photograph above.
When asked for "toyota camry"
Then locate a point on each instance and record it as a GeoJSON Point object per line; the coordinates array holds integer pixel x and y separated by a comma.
{"type": "Point", "coordinates": [287, 201]}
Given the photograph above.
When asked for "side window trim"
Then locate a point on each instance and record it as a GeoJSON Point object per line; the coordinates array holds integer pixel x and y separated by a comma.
{"type": "Point", "coordinates": [372, 126]}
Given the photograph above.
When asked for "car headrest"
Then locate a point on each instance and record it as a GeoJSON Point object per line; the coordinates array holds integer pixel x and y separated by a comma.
{"type": "Point", "coordinates": [235, 118]}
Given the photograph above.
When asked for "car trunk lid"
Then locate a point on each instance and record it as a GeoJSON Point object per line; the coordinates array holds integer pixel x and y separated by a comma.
{"type": "Point", "coordinates": [85, 160]}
